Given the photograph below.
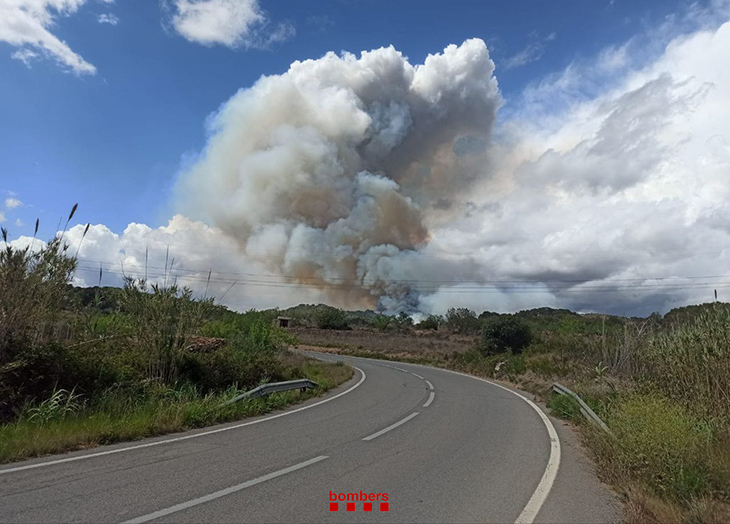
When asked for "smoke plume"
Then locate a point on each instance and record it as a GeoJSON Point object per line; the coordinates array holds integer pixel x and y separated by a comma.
{"type": "Point", "coordinates": [332, 173]}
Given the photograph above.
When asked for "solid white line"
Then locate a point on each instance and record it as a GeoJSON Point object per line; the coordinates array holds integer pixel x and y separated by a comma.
{"type": "Point", "coordinates": [400, 422]}
{"type": "Point", "coordinates": [539, 496]}
{"type": "Point", "coordinates": [417, 375]}
{"type": "Point", "coordinates": [223, 492]}
{"type": "Point", "coordinates": [430, 399]}
{"type": "Point", "coordinates": [430, 386]}
{"type": "Point", "coordinates": [186, 437]}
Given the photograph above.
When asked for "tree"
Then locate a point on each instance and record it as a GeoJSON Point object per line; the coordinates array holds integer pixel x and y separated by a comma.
{"type": "Point", "coordinates": [404, 319]}
{"type": "Point", "coordinates": [462, 320]}
{"type": "Point", "coordinates": [506, 333]}
{"type": "Point", "coordinates": [430, 322]}
{"type": "Point", "coordinates": [331, 318]}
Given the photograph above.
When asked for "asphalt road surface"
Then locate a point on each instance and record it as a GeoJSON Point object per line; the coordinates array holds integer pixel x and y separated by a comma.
{"type": "Point", "coordinates": [443, 447]}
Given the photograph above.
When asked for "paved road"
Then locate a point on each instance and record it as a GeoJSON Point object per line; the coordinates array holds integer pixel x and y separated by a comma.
{"type": "Point", "coordinates": [444, 448]}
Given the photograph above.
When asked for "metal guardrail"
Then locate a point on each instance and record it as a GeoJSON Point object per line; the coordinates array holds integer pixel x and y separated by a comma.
{"type": "Point", "coordinates": [275, 387]}
{"type": "Point", "coordinates": [587, 412]}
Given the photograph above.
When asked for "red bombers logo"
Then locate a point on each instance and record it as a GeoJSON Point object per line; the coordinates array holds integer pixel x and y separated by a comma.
{"type": "Point", "coordinates": [362, 500]}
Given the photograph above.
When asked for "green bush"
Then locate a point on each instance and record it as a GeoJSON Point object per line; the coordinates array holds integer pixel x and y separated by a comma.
{"type": "Point", "coordinates": [228, 366]}
{"type": "Point", "coordinates": [430, 322]}
{"type": "Point", "coordinates": [331, 318]}
{"type": "Point", "coordinates": [565, 406]}
{"type": "Point", "coordinates": [506, 333]}
{"type": "Point", "coordinates": [382, 322]}
{"type": "Point", "coordinates": [462, 320]}
{"type": "Point", "coordinates": [33, 293]}
{"type": "Point", "coordinates": [658, 441]}
{"type": "Point", "coordinates": [163, 318]}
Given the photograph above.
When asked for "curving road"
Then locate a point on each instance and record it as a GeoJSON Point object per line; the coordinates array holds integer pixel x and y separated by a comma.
{"type": "Point", "coordinates": [444, 447]}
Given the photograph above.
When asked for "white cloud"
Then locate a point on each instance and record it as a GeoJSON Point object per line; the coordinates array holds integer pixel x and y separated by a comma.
{"type": "Point", "coordinates": [2, 217]}
{"type": "Point", "coordinates": [193, 248]}
{"type": "Point", "coordinates": [232, 23]}
{"type": "Point", "coordinates": [26, 24]}
{"type": "Point", "coordinates": [613, 189]}
{"type": "Point", "coordinates": [27, 56]}
{"type": "Point", "coordinates": [12, 202]}
{"type": "Point", "coordinates": [350, 179]}
{"type": "Point", "coordinates": [320, 23]}
{"type": "Point", "coordinates": [108, 18]}
{"type": "Point", "coordinates": [532, 52]}
{"type": "Point", "coordinates": [18, 222]}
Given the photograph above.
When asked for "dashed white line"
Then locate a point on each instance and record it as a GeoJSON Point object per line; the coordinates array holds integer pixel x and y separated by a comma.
{"type": "Point", "coordinates": [430, 399]}
{"type": "Point", "coordinates": [223, 492]}
{"type": "Point", "coordinates": [392, 426]}
{"type": "Point", "coordinates": [186, 437]}
{"type": "Point", "coordinates": [430, 386]}
{"type": "Point", "coordinates": [417, 375]}
{"type": "Point", "coordinates": [539, 496]}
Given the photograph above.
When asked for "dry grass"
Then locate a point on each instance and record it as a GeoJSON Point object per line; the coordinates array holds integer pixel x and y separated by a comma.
{"type": "Point", "coordinates": [668, 458]}
{"type": "Point", "coordinates": [424, 344]}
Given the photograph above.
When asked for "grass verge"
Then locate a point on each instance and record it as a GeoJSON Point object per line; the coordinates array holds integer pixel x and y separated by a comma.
{"type": "Point", "coordinates": [118, 416]}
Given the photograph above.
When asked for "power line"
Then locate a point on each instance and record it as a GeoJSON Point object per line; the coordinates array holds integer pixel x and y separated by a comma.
{"type": "Point", "coordinates": [413, 281]}
{"type": "Point", "coordinates": [460, 290]}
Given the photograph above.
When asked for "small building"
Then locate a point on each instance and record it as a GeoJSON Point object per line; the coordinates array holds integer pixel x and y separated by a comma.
{"type": "Point", "coordinates": [283, 322]}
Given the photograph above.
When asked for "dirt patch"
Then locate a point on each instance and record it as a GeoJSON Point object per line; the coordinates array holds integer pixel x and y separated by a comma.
{"type": "Point", "coordinates": [428, 344]}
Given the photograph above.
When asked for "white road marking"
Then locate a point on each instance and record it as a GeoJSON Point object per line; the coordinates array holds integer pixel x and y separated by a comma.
{"type": "Point", "coordinates": [393, 426]}
{"type": "Point", "coordinates": [431, 396]}
{"type": "Point", "coordinates": [539, 496]}
{"type": "Point", "coordinates": [223, 492]}
{"type": "Point", "coordinates": [186, 437]}
{"type": "Point", "coordinates": [417, 375]}
{"type": "Point", "coordinates": [430, 386]}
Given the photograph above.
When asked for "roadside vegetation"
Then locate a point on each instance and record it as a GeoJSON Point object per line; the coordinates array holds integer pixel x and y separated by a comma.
{"type": "Point", "coordinates": [661, 384]}
{"type": "Point", "coordinates": [83, 367]}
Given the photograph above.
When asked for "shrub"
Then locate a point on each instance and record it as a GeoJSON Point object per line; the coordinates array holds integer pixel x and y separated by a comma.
{"type": "Point", "coordinates": [230, 366]}
{"type": "Point", "coordinates": [462, 320]}
{"type": "Point", "coordinates": [658, 441]}
{"type": "Point", "coordinates": [331, 318]}
{"type": "Point", "coordinates": [162, 322]}
{"type": "Point", "coordinates": [33, 291]}
{"type": "Point", "coordinates": [404, 319]}
{"type": "Point", "coordinates": [430, 322]}
{"type": "Point", "coordinates": [506, 333]}
{"type": "Point", "coordinates": [382, 322]}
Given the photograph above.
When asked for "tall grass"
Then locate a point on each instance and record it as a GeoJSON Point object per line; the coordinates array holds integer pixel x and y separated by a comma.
{"type": "Point", "coordinates": [78, 372]}
{"type": "Point", "coordinates": [119, 416]}
{"type": "Point", "coordinates": [163, 318]}
{"type": "Point", "coordinates": [691, 363]}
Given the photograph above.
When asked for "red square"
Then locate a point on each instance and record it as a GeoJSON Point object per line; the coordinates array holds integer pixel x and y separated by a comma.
{"type": "Point", "coordinates": [334, 506]}
{"type": "Point", "coordinates": [367, 506]}
{"type": "Point", "coordinates": [350, 506]}
{"type": "Point", "coordinates": [384, 506]}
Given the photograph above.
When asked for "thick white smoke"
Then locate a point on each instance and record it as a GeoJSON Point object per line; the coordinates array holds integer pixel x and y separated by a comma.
{"type": "Point", "coordinates": [333, 171]}
{"type": "Point", "coordinates": [370, 181]}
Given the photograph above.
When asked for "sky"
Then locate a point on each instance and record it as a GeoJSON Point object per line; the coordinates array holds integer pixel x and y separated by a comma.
{"type": "Point", "coordinates": [574, 152]}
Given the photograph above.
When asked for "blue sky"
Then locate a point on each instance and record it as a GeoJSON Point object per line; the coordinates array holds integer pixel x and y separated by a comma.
{"type": "Point", "coordinates": [114, 141]}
